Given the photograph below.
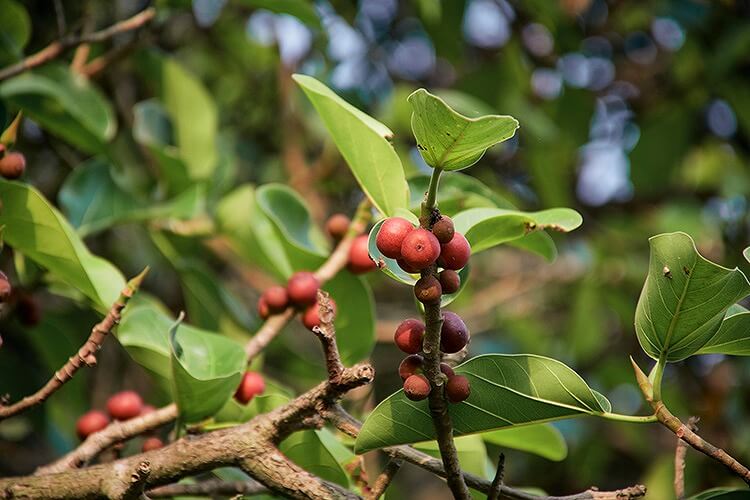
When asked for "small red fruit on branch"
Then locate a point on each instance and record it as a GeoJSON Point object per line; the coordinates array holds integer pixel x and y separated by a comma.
{"type": "Point", "coordinates": [276, 298]}
{"type": "Point", "coordinates": [455, 254]}
{"type": "Point", "coordinates": [91, 422]}
{"type": "Point", "coordinates": [409, 335]}
{"type": "Point", "coordinates": [449, 280]}
{"type": "Point", "coordinates": [454, 335]}
{"type": "Point", "coordinates": [359, 256]}
{"type": "Point", "coordinates": [311, 315]}
{"type": "Point", "coordinates": [417, 387]}
{"type": "Point", "coordinates": [391, 236]}
{"type": "Point", "coordinates": [427, 290]}
{"type": "Point", "coordinates": [420, 249]}
{"type": "Point", "coordinates": [125, 405]}
{"type": "Point", "coordinates": [12, 165]}
{"type": "Point", "coordinates": [252, 385]}
{"type": "Point", "coordinates": [411, 365]}
{"type": "Point", "coordinates": [302, 288]}
{"type": "Point", "coordinates": [337, 225]}
{"type": "Point", "coordinates": [152, 443]}
{"type": "Point", "coordinates": [443, 229]}
{"type": "Point", "coordinates": [457, 388]}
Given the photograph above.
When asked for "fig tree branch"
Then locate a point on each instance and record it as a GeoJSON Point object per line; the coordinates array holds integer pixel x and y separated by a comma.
{"type": "Point", "coordinates": [335, 263]}
{"type": "Point", "coordinates": [384, 478]}
{"type": "Point", "coordinates": [57, 47]}
{"type": "Point", "coordinates": [679, 461]}
{"type": "Point", "coordinates": [431, 347]}
{"type": "Point", "coordinates": [209, 488]}
{"type": "Point", "coordinates": [349, 425]}
{"type": "Point", "coordinates": [86, 355]}
{"type": "Point", "coordinates": [252, 446]}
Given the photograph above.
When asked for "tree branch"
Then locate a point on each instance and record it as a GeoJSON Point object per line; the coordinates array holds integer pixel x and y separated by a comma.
{"type": "Point", "coordinates": [335, 263]}
{"type": "Point", "coordinates": [209, 488]}
{"type": "Point", "coordinates": [57, 47]}
{"type": "Point", "coordinates": [679, 461]}
{"type": "Point", "coordinates": [349, 425]}
{"type": "Point", "coordinates": [384, 479]}
{"type": "Point", "coordinates": [496, 487]}
{"type": "Point", "coordinates": [86, 354]}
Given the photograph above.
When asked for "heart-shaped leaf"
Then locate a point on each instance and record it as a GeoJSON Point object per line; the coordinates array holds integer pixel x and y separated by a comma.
{"type": "Point", "coordinates": [488, 227]}
{"type": "Point", "coordinates": [541, 439]}
{"type": "Point", "coordinates": [363, 142]}
{"type": "Point", "coordinates": [506, 390]}
{"type": "Point", "coordinates": [34, 227]}
{"type": "Point", "coordinates": [391, 268]}
{"type": "Point", "coordinates": [684, 298]}
{"type": "Point", "coordinates": [64, 103]}
{"type": "Point", "coordinates": [450, 141]}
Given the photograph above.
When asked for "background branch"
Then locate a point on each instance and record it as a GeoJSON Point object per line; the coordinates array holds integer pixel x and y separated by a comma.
{"type": "Point", "coordinates": [384, 478]}
{"type": "Point", "coordinates": [679, 461]}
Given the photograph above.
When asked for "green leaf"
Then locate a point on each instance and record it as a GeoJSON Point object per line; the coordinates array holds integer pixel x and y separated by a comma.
{"type": "Point", "coordinates": [65, 103]}
{"type": "Point", "coordinates": [290, 214]}
{"type": "Point", "coordinates": [301, 9]}
{"type": "Point", "coordinates": [733, 336]}
{"type": "Point", "coordinates": [192, 112]}
{"type": "Point", "coordinates": [449, 140]}
{"type": "Point", "coordinates": [308, 451]}
{"type": "Point", "coordinates": [746, 254]}
{"type": "Point", "coordinates": [488, 227]}
{"type": "Point", "coordinates": [456, 192]}
{"type": "Point", "coordinates": [543, 440]}
{"type": "Point", "coordinates": [355, 317]}
{"type": "Point", "coordinates": [206, 370]}
{"type": "Point", "coordinates": [363, 142]}
{"type": "Point", "coordinates": [537, 242]}
{"type": "Point", "coordinates": [721, 494]}
{"type": "Point", "coordinates": [15, 30]}
{"type": "Point", "coordinates": [391, 268]}
{"type": "Point", "coordinates": [93, 200]}
{"type": "Point", "coordinates": [506, 390]}
{"type": "Point", "coordinates": [35, 228]}
{"type": "Point", "coordinates": [684, 298]}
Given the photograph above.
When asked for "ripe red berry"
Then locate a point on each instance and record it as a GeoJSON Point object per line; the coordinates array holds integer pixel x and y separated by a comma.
{"type": "Point", "coordinates": [420, 249]}
{"type": "Point", "coordinates": [263, 311]}
{"type": "Point", "coordinates": [302, 288]}
{"type": "Point", "coordinates": [449, 280]}
{"type": "Point", "coordinates": [276, 298]}
{"type": "Point", "coordinates": [152, 443]}
{"type": "Point", "coordinates": [443, 229]}
{"type": "Point", "coordinates": [427, 290]}
{"type": "Point", "coordinates": [125, 405]}
{"type": "Point", "coordinates": [457, 388]}
{"type": "Point", "coordinates": [411, 365]}
{"type": "Point", "coordinates": [453, 335]}
{"type": "Point", "coordinates": [406, 267]}
{"type": "Point", "coordinates": [359, 256]}
{"type": "Point", "coordinates": [91, 422]}
{"type": "Point", "coordinates": [447, 370]}
{"type": "Point", "coordinates": [408, 336]}
{"type": "Point", "coordinates": [311, 315]}
{"type": "Point", "coordinates": [12, 165]}
{"type": "Point", "coordinates": [417, 387]}
{"type": "Point", "coordinates": [5, 287]}
{"type": "Point", "coordinates": [391, 236]}
{"type": "Point", "coordinates": [252, 384]}
{"type": "Point", "coordinates": [337, 225]}
{"type": "Point", "coordinates": [455, 254]}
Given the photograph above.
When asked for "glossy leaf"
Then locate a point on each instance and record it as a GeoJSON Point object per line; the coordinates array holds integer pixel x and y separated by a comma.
{"type": "Point", "coordinates": [543, 440]}
{"type": "Point", "coordinates": [306, 449]}
{"type": "Point", "coordinates": [93, 200]}
{"type": "Point", "coordinates": [746, 254]}
{"type": "Point", "coordinates": [35, 228]}
{"type": "Point", "coordinates": [733, 336]}
{"type": "Point", "coordinates": [355, 319]}
{"type": "Point", "coordinates": [721, 494]}
{"type": "Point", "coordinates": [450, 141]}
{"type": "Point", "coordinates": [192, 112]}
{"type": "Point", "coordinates": [363, 142]}
{"type": "Point", "coordinates": [391, 268]}
{"type": "Point", "coordinates": [488, 227]}
{"type": "Point", "coordinates": [456, 192]}
{"type": "Point", "coordinates": [506, 390]}
{"type": "Point", "coordinates": [65, 103]}
{"type": "Point", "coordinates": [15, 30]}
{"type": "Point", "coordinates": [206, 370]}
{"type": "Point", "coordinates": [684, 298]}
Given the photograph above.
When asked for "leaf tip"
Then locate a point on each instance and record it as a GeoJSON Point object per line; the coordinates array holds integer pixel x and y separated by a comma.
{"type": "Point", "coordinates": [643, 382]}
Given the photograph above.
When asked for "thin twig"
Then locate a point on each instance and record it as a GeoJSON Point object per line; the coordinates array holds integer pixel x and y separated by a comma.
{"type": "Point", "coordinates": [335, 263]}
{"type": "Point", "coordinates": [384, 479]}
{"type": "Point", "coordinates": [350, 426]}
{"type": "Point", "coordinates": [116, 432]}
{"type": "Point", "coordinates": [57, 47]}
{"type": "Point", "coordinates": [209, 488]}
{"type": "Point", "coordinates": [679, 461]}
{"type": "Point", "coordinates": [86, 355]}
{"type": "Point", "coordinates": [496, 489]}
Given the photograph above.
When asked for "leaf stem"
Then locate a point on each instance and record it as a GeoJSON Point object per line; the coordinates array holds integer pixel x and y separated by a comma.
{"type": "Point", "coordinates": [431, 348]}
{"type": "Point", "coordinates": [656, 377]}
{"type": "Point", "coordinates": [636, 419]}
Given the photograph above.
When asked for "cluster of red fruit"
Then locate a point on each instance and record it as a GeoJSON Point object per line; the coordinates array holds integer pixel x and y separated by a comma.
{"type": "Point", "coordinates": [301, 290]}
{"type": "Point", "coordinates": [416, 249]}
{"type": "Point", "coordinates": [12, 163]}
{"type": "Point", "coordinates": [121, 406]}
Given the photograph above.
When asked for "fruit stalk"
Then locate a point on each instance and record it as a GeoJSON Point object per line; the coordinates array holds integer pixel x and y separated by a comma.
{"type": "Point", "coordinates": [431, 347]}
